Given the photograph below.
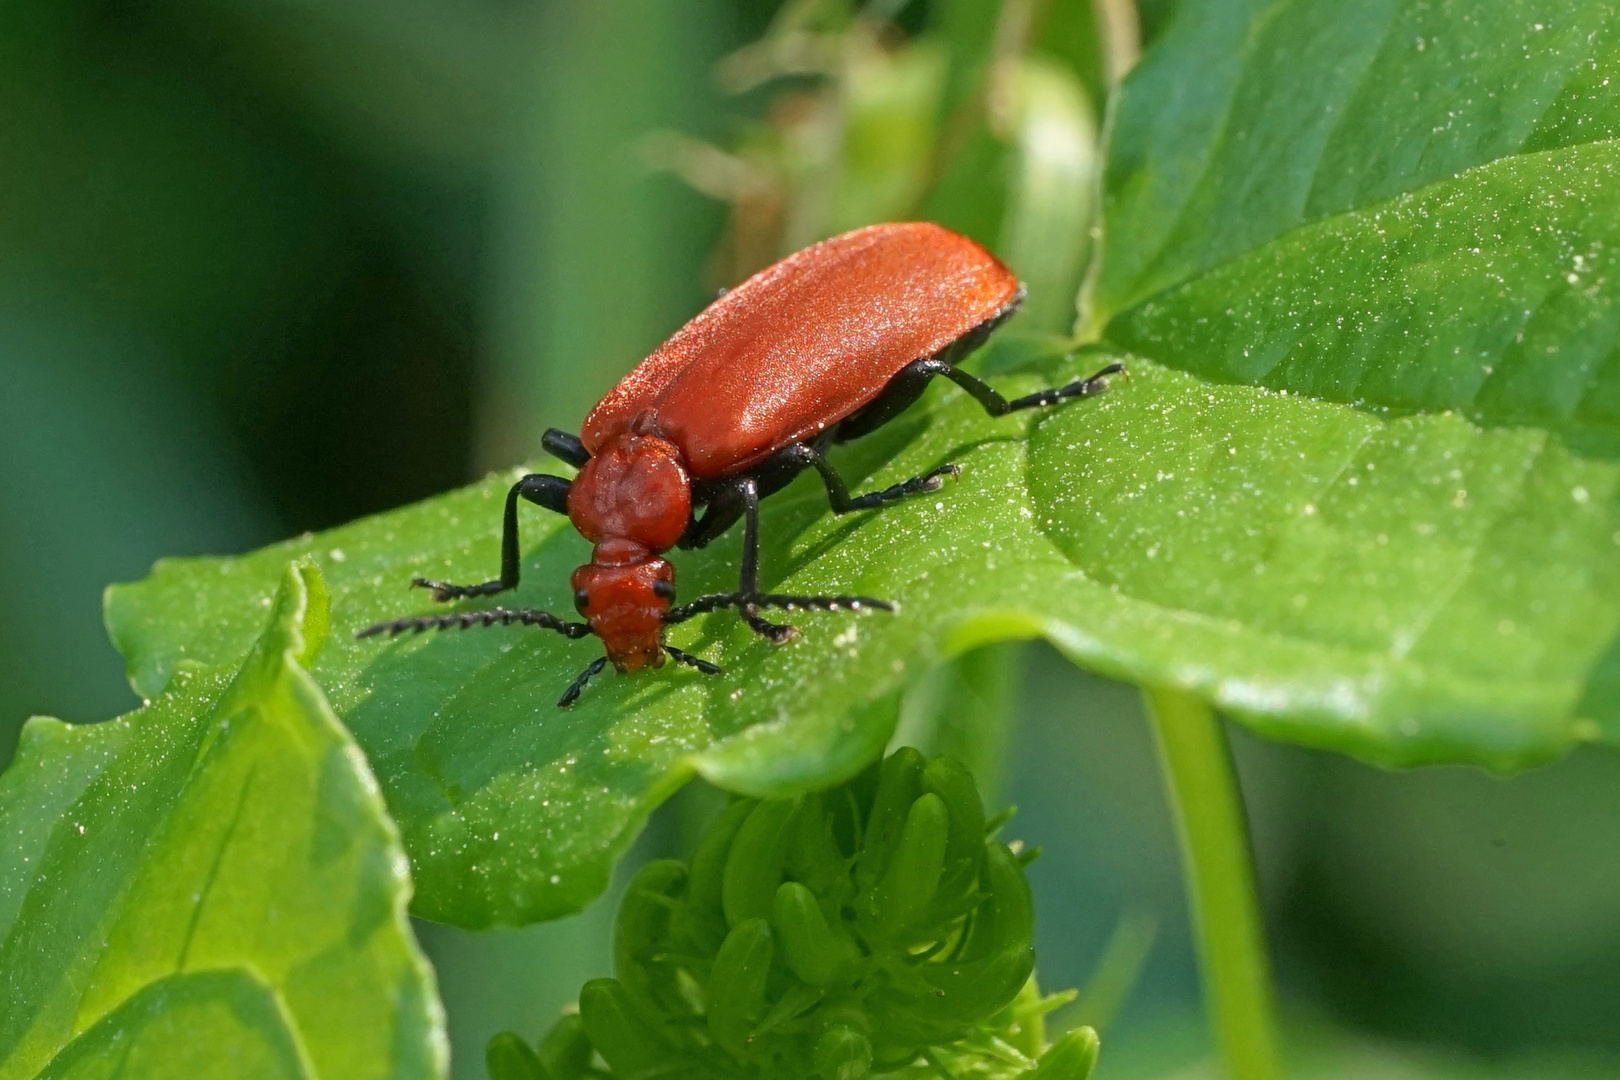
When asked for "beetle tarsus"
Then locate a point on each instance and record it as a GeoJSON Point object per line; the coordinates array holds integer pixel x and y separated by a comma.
{"type": "Point", "coordinates": [462, 620]}
{"type": "Point", "coordinates": [1090, 386]}
{"type": "Point", "coordinates": [813, 456]}
{"type": "Point", "coordinates": [694, 661]}
{"type": "Point", "coordinates": [776, 633]}
{"type": "Point", "coordinates": [572, 693]}
{"type": "Point", "coordinates": [989, 397]}
{"type": "Point", "coordinates": [917, 485]}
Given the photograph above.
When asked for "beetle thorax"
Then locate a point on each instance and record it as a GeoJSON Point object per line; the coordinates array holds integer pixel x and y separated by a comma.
{"type": "Point", "coordinates": [634, 489]}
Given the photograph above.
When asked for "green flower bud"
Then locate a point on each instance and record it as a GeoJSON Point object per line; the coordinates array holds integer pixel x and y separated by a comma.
{"type": "Point", "coordinates": [1070, 1058]}
{"type": "Point", "coordinates": [941, 997]}
{"type": "Point", "coordinates": [950, 780]}
{"type": "Point", "coordinates": [754, 864]}
{"type": "Point", "coordinates": [915, 864]}
{"type": "Point", "coordinates": [705, 917]}
{"type": "Point", "coordinates": [737, 984]}
{"type": "Point", "coordinates": [508, 1057]}
{"type": "Point", "coordinates": [639, 933]}
{"type": "Point", "coordinates": [792, 947]}
{"type": "Point", "coordinates": [809, 947]}
{"type": "Point", "coordinates": [813, 857]}
{"type": "Point", "coordinates": [565, 1050]}
{"type": "Point", "coordinates": [842, 1053]}
{"type": "Point", "coordinates": [899, 784]}
{"type": "Point", "coordinates": [619, 1035]}
{"type": "Point", "coordinates": [1006, 918]}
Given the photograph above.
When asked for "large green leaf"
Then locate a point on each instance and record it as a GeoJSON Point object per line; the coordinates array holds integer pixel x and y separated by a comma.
{"type": "Point", "coordinates": [1341, 496]}
{"type": "Point", "coordinates": [1402, 211]}
{"type": "Point", "coordinates": [1251, 117]}
{"type": "Point", "coordinates": [209, 886]}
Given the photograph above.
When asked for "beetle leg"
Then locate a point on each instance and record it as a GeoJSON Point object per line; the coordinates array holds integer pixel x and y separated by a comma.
{"type": "Point", "coordinates": [996, 405]}
{"type": "Point", "coordinates": [565, 447]}
{"type": "Point", "coordinates": [725, 507]}
{"type": "Point", "coordinates": [908, 384]}
{"type": "Point", "coordinates": [748, 599]}
{"type": "Point", "coordinates": [748, 580]}
{"type": "Point", "coordinates": [838, 492]}
{"type": "Point", "coordinates": [722, 499]}
{"type": "Point", "coordinates": [1087, 387]}
{"type": "Point", "coordinates": [541, 489]}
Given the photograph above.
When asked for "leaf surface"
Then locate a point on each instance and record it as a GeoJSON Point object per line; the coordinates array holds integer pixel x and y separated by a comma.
{"type": "Point", "coordinates": [1252, 117]}
{"type": "Point", "coordinates": [512, 809]}
{"type": "Point", "coordinates": [209, 886]}
{"type": "Point", "coordinates": [1379, 237]}
{"type": "Point", "coordinates": [1360, 491]}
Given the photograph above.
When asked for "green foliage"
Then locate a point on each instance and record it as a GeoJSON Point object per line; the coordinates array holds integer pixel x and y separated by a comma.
{"type": "Point", "coordinates": [859, 929]}
{"type": "Point", "coordinates": [197, 884]}
{"type": "Point", "coordinates": [1377, 236]}
{"type": "Point", "coordinates": [1359, 491]}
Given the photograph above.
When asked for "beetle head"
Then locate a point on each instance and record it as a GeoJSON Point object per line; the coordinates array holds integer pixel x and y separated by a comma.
{"type": "Point", "coordinates": [623, 593]}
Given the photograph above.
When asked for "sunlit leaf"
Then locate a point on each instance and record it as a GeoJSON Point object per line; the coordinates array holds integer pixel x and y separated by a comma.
{"type": "Point", "coordinates": [1360, 490]}
{"type": "Point", "coordinates": [511, 807]}
{"type": "Point", "coordinates": [208, 886]}
{"type": "Point", "coordinates": [1251, 117]}
{"type": "Point", "coordinates": [1404, 211]}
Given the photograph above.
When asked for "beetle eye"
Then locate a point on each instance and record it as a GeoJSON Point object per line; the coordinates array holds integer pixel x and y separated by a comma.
{"type": "Point", "coordinates": [664, 589]}
{"type": "Point", "coordinates": [581, 598]}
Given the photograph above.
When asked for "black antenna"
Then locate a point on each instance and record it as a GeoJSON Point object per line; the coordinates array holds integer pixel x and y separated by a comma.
{"type": "Point", "coordinates": [694, 661]}
{"type": "Point", "coordinates": [715, 602]}
{"type": "Point", "coordinates": [463, 620]}
{"type": "Point", "coordinates": [572, 693]}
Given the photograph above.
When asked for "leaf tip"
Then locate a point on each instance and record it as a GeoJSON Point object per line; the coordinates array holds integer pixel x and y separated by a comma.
{"type": "Point", "coordinates": [301, 613]}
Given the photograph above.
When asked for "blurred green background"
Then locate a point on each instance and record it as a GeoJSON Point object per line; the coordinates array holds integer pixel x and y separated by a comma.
{"type": "Point", "coordinates": [270, 265]}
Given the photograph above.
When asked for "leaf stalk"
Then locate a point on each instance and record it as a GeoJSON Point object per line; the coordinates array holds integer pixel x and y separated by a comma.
{"type": "Point", "coordinates": [1202, 789]}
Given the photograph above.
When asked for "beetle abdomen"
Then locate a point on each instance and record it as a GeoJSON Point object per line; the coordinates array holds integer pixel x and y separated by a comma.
{"type": "Point", "coordinates": [804, 343]}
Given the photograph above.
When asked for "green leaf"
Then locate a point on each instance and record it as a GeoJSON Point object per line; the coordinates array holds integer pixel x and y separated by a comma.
{"type": "Point", "coordinates": [512, 809]}
{"type": "Point", "coordinates": [1402, 211]}
{"type": "Point", "coordinates": [1348, 534]}
{"type": "Point", "coordinates": [1490, 295]}
{"type": "Point", "coordinates": [1251, 117]}
{"type": "Point", "coordinates": [209, 886]}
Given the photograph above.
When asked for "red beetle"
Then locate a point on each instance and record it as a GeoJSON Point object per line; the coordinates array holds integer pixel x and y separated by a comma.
{"type": "Point", "coordinates": [820, 348]}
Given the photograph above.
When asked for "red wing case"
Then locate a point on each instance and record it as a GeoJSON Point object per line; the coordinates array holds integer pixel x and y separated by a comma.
{"type": "Point", "coordinates": [804, 343]}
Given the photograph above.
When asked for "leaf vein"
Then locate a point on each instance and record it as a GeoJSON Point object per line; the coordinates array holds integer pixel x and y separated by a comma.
{"type": "Point", "coordinates": [213, 869]}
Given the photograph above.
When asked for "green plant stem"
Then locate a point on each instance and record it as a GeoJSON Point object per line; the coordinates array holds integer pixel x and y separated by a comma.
{"type": "Point", "coordinates": [1203, 793]}
{"type": "Point", "coordinates": [1120, 28]}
